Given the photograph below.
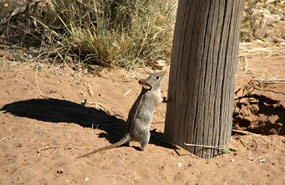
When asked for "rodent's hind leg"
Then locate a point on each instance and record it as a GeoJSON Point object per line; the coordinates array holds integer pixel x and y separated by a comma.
{"type": "Point", "coordinates": [144, 141]}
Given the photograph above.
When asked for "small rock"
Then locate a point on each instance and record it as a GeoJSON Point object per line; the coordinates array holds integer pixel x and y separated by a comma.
{"type": "Point", "coordinates": [59, 171]}
{"type": "Point", "coordinates": [250, 158]}
{"type": "Point", "coordinates": [263, 160]}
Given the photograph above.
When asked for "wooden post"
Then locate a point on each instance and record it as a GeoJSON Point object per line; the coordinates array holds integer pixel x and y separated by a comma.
{"type": "Point", "coordinates": [202, 71]}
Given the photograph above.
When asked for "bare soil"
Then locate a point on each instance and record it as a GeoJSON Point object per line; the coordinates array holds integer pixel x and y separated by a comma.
{"type": "Point", "coordinates": [51, 113]}
{"type": "Point", "coordinates": [45, 125]}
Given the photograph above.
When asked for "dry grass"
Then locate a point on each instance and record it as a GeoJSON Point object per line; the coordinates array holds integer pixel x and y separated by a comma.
{"type": "Point", "coordinates": [124, 34]}
{"type": "Point", "coordinates": [132, 33]}
{"type": "Point", "coordinates": [263, 30]}
{"type": "Point", "coordinates": [111, 33]}
{"type": "Point", "coordinates": [264, 21]}
{"type": "Point", "coordinates": [260, 48]}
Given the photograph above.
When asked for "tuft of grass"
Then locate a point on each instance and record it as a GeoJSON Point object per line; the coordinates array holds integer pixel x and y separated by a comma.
{"type": "Point", "coordinates": [111, 33]}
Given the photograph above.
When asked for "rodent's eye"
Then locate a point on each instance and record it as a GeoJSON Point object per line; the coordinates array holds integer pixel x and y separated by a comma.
{"type": "Point", "coordinates": [157, 77]}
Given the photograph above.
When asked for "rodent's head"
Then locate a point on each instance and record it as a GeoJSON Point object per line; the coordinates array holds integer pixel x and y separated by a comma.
{"type": "Point", "coordinates": [154, 81]}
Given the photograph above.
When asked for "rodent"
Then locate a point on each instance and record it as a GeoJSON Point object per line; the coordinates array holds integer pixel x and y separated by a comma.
{"type": "Point", "coordinates": [141, 113]}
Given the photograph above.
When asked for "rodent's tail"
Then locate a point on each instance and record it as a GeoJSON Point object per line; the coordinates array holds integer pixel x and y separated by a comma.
{"type": "Point", "coordinates": [119, 143]}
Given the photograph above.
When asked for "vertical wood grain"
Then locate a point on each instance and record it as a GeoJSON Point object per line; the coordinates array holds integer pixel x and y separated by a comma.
{"type": "Point", "coordinates": [202, 71]}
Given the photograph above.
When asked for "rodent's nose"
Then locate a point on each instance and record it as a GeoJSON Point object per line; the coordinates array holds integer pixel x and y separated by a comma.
{"type": "Point", "coordinates": [141, 81]}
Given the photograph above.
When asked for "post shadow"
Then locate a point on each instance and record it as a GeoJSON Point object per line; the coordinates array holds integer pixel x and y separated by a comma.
{"type": "Point", "coordinates": [55, 110]}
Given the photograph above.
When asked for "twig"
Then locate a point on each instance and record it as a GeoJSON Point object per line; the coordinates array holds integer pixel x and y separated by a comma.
{"type": "Point", "coordinates": [206, 146]}
{"type": "Point", "coordinates": [6, 137]}
{"type": "Point", "coordinates": [118, 115]}
{"type": "Point", "coordinates": [241, 141]}
{"type": "Point", "coordinates": [127, 92]}
{"type": "Point", "coordinates": [36, 78]}
{"type": "Point", "coordinates": [245, 132]}
{"type": "Point", "coordinates": [222, 148]}
{"type": "Point", "coordinates": [41, 46]}
{"type": "Point", "coordinates": [46, 27]}
{"type": "Point", "coordinates": [90, 91]}
{"type": "Point", "coordinates": [92, 127]}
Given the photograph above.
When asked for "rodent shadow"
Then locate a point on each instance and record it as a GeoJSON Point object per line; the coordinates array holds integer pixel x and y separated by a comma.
{"type": "Point", "coordinates": [55, 110]}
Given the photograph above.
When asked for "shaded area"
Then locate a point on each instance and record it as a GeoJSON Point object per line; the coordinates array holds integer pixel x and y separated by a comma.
{"type": "Point", "coordinates": [54, 110]}
{"type": "Point", "coordinates": [17, 25]}
{"type": "Point", "coordinates": [259, 114]}
{"type": "Point", "coordinates": [22, 36]}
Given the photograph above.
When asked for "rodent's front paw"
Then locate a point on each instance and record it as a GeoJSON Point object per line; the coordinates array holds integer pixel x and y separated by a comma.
{"type": "Point", "coordinates": [165, 99]}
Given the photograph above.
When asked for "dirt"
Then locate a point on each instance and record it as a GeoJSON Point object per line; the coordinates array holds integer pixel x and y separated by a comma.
{"type": "Point", "coordinates": [259, 104]}
{"type": "Point", "coordinates": [51, 114]}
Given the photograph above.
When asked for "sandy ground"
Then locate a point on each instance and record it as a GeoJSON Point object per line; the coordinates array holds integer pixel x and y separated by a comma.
{"type": "Point", "coordinates": [44, 127]}
{"type": "Point", "coordinates": [51, 114]}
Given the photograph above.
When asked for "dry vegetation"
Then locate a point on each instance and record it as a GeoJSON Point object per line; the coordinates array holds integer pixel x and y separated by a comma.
{"type": "Point", "coordinates": [264, 20]}
{"type": "Point", "coordinates": [110, 33]}
{"type": "Point", "coordinates": [122, 34]}
{"type": "Point", "coordinates": [53, 109]}
{"type": "Point", "coordinates": [263, 28]}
